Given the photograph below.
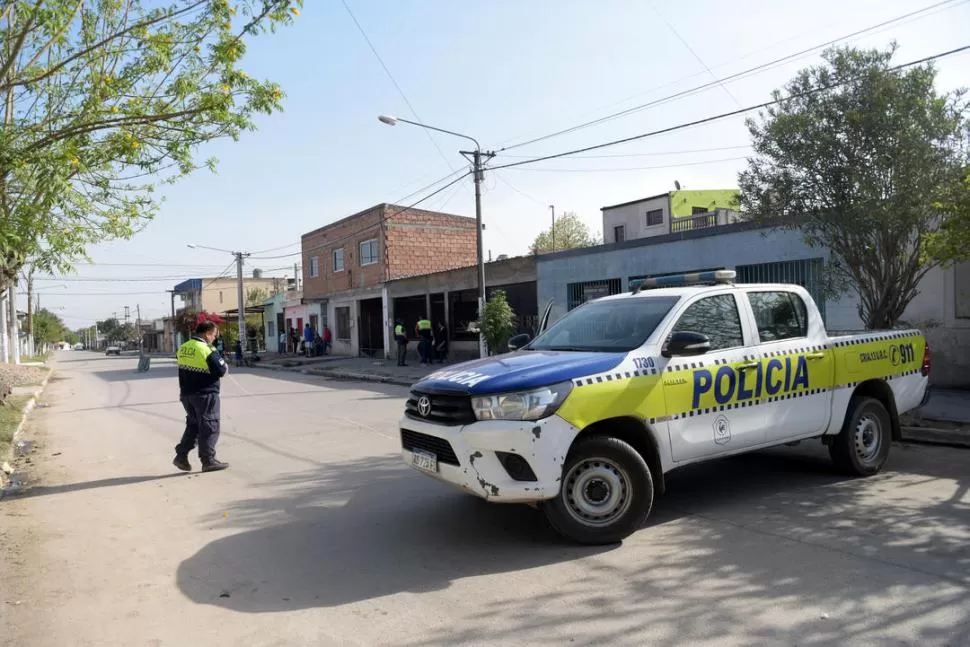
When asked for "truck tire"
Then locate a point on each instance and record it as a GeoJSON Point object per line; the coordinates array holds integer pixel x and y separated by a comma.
{"type": "Point", "coordinates": [862, 447]}
{"type": "Point", "coordinates": [606, 492]}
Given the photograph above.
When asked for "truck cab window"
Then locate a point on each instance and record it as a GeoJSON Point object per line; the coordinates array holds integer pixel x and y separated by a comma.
{"type": "Point", "coordinates": [717, 317]}
{"type": "Point", "coordinates": [779, 315]}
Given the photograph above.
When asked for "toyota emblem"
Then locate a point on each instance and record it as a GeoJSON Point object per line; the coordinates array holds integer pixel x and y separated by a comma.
{"type": "Point", "coordinates": [424, 406]}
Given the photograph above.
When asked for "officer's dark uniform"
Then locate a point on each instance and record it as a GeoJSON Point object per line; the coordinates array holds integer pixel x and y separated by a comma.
{"type": "Point", "coordinates": [200, 369]}
{"type": "Point", "coordinates": [402, 344]}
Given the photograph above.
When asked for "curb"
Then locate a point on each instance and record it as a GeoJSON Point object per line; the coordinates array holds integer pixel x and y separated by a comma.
{"type": "Point", "coordinates": [340, 375]}
{"type": "Point", "coordinates": [935, 436]}
{"type": "Point", "coordinates": [31, 403]}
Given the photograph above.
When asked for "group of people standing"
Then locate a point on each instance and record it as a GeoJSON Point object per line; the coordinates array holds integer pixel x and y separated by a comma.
{"type": "Point", "coordinates": [309, 343]}
{"type": "Point", "coordinates": [432, 341]}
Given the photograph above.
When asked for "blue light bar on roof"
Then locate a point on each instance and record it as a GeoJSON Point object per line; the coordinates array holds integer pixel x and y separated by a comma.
{"type": "Point", "coordinates": [681, 280]}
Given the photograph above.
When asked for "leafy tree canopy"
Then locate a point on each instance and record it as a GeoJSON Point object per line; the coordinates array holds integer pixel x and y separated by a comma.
{"type": "Point", "coordinates": [569, 232]}
{"type": "Point", "coordinates": [866, 161]}
{"type": "Point", "coordinates": [107, 97]}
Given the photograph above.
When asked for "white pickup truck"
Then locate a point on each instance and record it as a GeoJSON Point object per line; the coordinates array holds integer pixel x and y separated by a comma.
{"type": "Point", "coordinates": [586, 419]}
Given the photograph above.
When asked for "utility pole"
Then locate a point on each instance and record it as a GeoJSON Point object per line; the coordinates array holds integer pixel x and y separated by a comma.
{"type": "Point", "coordinates": [478, 174]}
{"type": "Point", "coordinates": [240, 297]}
{"type": "Point", "coordinates": [14, 335]}
{"type": "Point", "coordinates": [127, 314]}
{"type": "Point", "coordinates": [172, 292]}
{"type": "Point", "coordinates": [30, 311]}
{"type": "Point", "coordinates": [141, 337]}
{"type": "Point", "coordinates": [552, 208]}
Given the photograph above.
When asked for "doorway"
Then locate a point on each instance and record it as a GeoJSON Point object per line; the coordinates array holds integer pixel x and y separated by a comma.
{"type": "Point", "coordinates": [370, 327]}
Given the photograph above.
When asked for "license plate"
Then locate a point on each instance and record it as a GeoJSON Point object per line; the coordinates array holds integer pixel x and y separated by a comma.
{"type": "Point", "coordinates": [424, 460]}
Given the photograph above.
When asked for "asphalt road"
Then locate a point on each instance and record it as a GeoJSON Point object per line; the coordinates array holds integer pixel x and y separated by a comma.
{"type": "Point", "coordinates": [318, 535]}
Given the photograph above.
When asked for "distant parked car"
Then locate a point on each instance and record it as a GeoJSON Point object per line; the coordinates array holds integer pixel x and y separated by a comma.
{"type": "Point", "coordinates": [112, 350]}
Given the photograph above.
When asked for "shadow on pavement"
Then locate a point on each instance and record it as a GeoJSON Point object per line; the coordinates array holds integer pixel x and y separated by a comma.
{"type": "Point", "coordinates": [45, 490]}
{"type": "Point", "coordinates": [731, 538]}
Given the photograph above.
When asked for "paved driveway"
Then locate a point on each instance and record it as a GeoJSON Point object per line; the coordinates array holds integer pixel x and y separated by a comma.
{"type": "Point", "coordinates": [318, 535]}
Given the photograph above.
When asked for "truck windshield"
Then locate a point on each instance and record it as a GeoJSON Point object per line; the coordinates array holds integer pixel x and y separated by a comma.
{"type": "Point", "coordinates": [607, 326]}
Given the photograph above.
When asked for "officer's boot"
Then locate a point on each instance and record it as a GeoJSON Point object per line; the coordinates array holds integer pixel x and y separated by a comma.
{"type": "Point", "coordinates": [182, 462]}
{"type": "Point", "coordinates": [213, 465]}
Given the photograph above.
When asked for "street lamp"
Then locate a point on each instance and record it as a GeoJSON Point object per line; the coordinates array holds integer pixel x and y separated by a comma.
{"type": "Point", "coordinates": [477, 173]}
{"type": "Point", "coordinates": [241, 306]}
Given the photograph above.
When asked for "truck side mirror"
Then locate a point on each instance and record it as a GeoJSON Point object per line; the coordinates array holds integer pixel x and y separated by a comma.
{"type": "Point", "coordinates": [686, 344]}
{"type": "Point", "coordinates": [517, 342]}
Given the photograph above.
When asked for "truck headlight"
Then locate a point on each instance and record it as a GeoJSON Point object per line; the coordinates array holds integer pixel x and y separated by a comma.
{"type": "Point", "coordinates": [521, 405]}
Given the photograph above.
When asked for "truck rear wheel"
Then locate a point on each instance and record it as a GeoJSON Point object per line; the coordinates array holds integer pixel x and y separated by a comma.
{"type": "Point", "coordinates": [606, 492]}
{"type": "Point", "coordinates": [862, 447]}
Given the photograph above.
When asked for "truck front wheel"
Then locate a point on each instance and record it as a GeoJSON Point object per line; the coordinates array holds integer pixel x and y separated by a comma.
{"type": "Point", "coordinates": [606, 492]}
{"type": "Point", "coordinates": [862, 447]}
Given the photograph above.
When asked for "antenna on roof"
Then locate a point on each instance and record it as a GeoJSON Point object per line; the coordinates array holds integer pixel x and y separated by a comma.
{"type": "Point", "coordinates": [677, 184]}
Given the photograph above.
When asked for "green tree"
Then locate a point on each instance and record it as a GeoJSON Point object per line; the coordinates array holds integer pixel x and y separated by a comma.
{"type": "Point", "coordinates": [107, 97]}
{"type": "Point", "coordinates": [109, 329]}
{"type": "Point", "coordinates": [951, 242]}
{"type": "Point", "coordinates": [256, 296]}
{"type": "Point", "coordinates": [48, 328]}
{"type": "Point", "coordinates": [570, 232]}
{"type": "Point", "coordinates": [498, 324]}
{"type": "Point", "coordinates": [861, 158]}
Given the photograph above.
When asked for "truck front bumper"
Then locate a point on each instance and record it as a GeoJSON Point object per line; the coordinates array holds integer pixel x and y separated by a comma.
{"type": "Point", "coordinates": [498, 460]}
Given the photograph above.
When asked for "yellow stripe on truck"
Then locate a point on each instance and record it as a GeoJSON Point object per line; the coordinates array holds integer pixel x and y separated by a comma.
{"type": "Point", "coordinates": [695, 386]}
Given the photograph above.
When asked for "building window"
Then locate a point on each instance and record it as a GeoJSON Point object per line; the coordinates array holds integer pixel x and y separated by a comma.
{"type": "Point", "coordinates": [779, 315]}
{"type": "Point", "coordinates": [580, 293]}
{"type": "Point", "coordinates": [698, 210]}
{"type": "Point", "coordinates": [315, 323]}
{"type": "Point", "coordinates": [806, 273]}
{"type": "Point", "coordinates": [368, 252]}
{"type": "Point", "coordinates": [343, 322]}
{"type": "Point", "coordinates": [271, 329]}
{"type": "Point", "coordinates": [619, 233]}
{"type": "Point", "coordinates": [338, 260]}
{"type": "Point", "coordinates": [220, 296]}
{"type": "Point", "coordinates": [314, 267]}
{"type": "Point", "coordinates": [655, 217]}
{"type": "Point", "coordinates": [961, 290]}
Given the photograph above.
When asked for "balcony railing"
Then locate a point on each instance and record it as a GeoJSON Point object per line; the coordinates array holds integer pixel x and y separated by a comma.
{"type": "Point", "coordinates": [699, 221]}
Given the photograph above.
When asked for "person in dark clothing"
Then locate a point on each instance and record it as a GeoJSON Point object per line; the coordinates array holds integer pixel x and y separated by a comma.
{"type": "Point", "coordinates": [401, 337]}
{"type": "Point", "coordinates": [200, 370]}
{"type": "Point", "coordinates": [441, 343]}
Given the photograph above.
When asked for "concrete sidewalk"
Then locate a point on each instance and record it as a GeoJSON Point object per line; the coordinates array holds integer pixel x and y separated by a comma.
{"type": "Point", "coordinates": [350, 368]}
{"type": "Point", "coordinates": [945, 419]}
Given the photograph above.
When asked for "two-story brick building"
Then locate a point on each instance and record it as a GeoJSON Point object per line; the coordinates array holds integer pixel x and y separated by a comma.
{"type": "Point", "coordinates": [347, 264]}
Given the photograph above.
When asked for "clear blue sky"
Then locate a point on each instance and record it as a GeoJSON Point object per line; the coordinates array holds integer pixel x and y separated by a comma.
{"type": "Point", "coordinates": [502, 71]}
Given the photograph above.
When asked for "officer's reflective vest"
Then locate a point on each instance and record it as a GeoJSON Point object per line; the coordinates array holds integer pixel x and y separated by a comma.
{"type": "Point", "coordinates": [424, 324]}
{"type": "Point", "coordinates": [193, 355]}
{"type": "Point", "coordinates": [399, 330]}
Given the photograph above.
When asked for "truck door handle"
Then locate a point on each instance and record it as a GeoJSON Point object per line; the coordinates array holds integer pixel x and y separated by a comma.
{"type": "Point", "coordinates": [815, 355]}
{"type": "Point", "coordinates": [745, 367]}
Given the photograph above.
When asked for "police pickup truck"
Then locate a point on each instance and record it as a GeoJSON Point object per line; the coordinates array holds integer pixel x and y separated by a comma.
{"type": "Point", "coordinates": [588, 418]}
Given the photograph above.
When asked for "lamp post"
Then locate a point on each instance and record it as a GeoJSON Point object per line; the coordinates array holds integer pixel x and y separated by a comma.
{"type": "Point", "coordinates": [478, 157]}
{"type": "Point", "coordinates": [240, 298]}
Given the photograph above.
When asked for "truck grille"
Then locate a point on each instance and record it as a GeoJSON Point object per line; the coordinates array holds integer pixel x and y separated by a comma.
{"type": "Point", "coordinates": [444, 409]}
{"type": "Point", "coordinates": [440, 447]}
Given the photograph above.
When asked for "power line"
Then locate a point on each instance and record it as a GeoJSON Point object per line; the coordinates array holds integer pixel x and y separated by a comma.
{"type": "Point", "coordinates": [380, 222]}
{"type": "Point", "coordinates": [331, 243]}
{"type": "Point", "coordinates": [695, 55]}
{"type": "Point", "coordinates": [397, 85]}
{"type": "Point", "coordinates": [654, 154]}
{"type": "Point", "coordinates": [723, 115]}
{"type": "Point", "coordinates": [732, 77]}
{"type": "Point", "coordinates": [629, 168]}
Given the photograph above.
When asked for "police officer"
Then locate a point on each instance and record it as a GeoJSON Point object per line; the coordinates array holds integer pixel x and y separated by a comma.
{"type": "Point", "coordinates": [424, 339]}
{"type": "Point", "coordinates": [200, 369]}
{"type": "Point", "coordinates": [401, 337]}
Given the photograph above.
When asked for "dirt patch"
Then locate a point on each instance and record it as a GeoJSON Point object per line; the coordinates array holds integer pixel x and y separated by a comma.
{"type": "Point", "coordinates": [17, 375]}
{"type": "Point", "coordinates": [11, 413]}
